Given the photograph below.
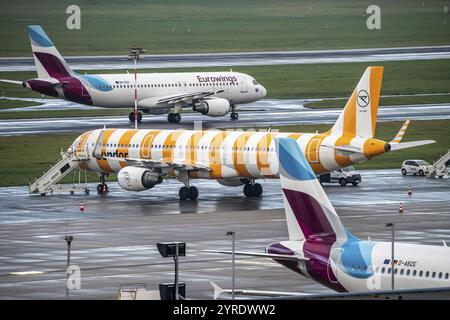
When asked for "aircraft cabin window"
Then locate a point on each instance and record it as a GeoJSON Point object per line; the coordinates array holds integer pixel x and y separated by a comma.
{"type": "Point", "coordinates": [427, 274]}
{"type": "Point", "coordinates": [401, 271]}
{"type": "Point", "coordinates": [414, 273]}
{"type": "Point", "coordinates": [433, 274]}
{"type": "Point", "coordinates": [408, 272]}
{"type": "Point", "coordinates": [389, 270]}
{"type": "Point", "coordinates": [395, 271]}
{"type": "Point", "coordinates": [446, 276]}
{"type": "Point", "coordinates": [420, 273]}
{"type": "Point", "coordinates": [440, 275]}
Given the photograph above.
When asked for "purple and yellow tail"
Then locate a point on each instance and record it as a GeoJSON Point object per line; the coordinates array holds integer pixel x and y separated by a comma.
{"type": "Point", "coordinates": [49, 62]}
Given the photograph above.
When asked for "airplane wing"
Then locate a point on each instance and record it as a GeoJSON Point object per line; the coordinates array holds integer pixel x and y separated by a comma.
{"type": "Point", "coordinates": [186, 97]}
{"type": "Point", "coordinates": [262, 255]}
{"type": "Point", "coordinates": [402, 294]}
{"type": "Point", "coordinates": [11, 81]}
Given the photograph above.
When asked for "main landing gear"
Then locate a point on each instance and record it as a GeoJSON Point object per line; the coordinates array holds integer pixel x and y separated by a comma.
{"type": "Point", "coordinates": [174, 117]}
{"type": "Point", "coordinates": [234, 115]}
{"type": "Point", "coordinates": [102, 187]}
{"type": "Point", "coordinates": [253, 190]}
{"type": "Point", "coordinates": [131, 116]}
{"type": "Point", "coordinates": [188, 193]}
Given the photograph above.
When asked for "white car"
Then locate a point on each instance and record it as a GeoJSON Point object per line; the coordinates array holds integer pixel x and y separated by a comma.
{"type": "Point", "coordinates": [415, 167]}
{"type": "Point", "coordinates": [342, 176]}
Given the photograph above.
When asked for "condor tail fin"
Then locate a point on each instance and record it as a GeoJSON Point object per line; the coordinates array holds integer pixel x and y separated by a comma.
{"type": "Point", "coordinates": [359, 117]}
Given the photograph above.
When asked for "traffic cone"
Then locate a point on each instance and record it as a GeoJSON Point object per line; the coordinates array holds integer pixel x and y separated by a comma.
{"type": "Point", "coordinates": [410, 191]}
{"type": "Point", "coordinates": [400, 209]}
{"type": "Point", "coordinates": [82, 206]}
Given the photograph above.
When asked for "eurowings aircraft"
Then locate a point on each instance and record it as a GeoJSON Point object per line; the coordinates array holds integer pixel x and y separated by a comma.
{"type": "Point", "coordinates": [234, 158]}
{"type": "Point", "coordinates": [322, 249]}
{"type": "Point", "coordinates": [213, 94]}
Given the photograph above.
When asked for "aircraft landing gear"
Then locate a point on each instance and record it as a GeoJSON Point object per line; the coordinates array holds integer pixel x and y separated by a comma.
{"type": "Point", "coordinates": [234, 115]}
{"type": "Point", "coordinates": [174, 117]}
{"type": "Point", "coordinates": [131, 116]}
{"type": "Point", "coordinates": [253, 190]}
{"type": "Point", "coordinates": [188, 193]}
{"type": "Point", "coordinates": [102, 187]}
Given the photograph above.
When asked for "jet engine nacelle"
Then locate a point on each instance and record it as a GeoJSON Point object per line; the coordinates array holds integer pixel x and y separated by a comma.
{"type": "Point", "coordinates": [137, 179]}
{"type": "Point", "coordinates": [232, 182]}
{"type": "Point", "coordinates": [215, 107]}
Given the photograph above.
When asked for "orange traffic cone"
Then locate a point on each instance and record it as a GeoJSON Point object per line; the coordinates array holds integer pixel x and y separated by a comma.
{"type": "Point", "coordinates": [82, 206]}
{"type": "Point", "coordinates": [400, 209]}
{"type": "Point", "coordinates": [409, 191]}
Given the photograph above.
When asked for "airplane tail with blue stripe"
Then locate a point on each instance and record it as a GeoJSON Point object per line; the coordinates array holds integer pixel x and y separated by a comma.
{"type": "Point", "coordinates": [309, 212]}
{"type": "Point", "coordinates": [49, 62]}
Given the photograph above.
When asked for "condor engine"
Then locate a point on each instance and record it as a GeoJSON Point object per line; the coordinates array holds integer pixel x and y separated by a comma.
{"type": "Point", "coordinates": [215, 107]}
{"type": "Point", "coordinates": [137, 179]}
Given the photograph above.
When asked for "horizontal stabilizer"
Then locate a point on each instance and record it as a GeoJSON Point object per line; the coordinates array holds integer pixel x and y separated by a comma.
{"type": "Point", "coordinates": [262, 255]}
{"type": "Point", "coordinates": [411, 144]}
{"type": "Point", "coordinates": [218, 291]}
{"type": "Point", "coordinates": [11, 81]}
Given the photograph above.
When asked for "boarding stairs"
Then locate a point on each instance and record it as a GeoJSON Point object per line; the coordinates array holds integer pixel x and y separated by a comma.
{"type": "Point", "coordinates": [70, 160]}
{"type": "Point", "coordinates": [439, 168]}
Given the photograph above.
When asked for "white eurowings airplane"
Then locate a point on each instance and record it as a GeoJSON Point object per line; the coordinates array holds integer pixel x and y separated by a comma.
{"type": "Point", "coordinates": [210, 93]}
{"type": "Point", "coordinates": [322, 249]}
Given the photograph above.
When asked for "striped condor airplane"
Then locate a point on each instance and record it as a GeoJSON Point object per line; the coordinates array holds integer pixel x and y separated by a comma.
{"type": "Point", "coordinates": [321, 248]}
{"type": "Point", "coordinates": [213, 94]}
{"type": "Point", "coordinates": [234, 158]}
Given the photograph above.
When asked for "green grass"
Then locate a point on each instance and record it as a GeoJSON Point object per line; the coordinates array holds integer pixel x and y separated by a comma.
{"type": "Point", "coordinates": [12, 104]}
{"type": "Point", "coordinates": [23, 157]}
{"type": "Point", "coordinates": [292, 81]}
{"type": "Point", "coordinates": [110, 27]}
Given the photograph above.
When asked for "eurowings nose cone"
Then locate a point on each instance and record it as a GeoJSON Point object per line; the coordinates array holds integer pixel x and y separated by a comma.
{"type": "Point", "coordinates": [263, 92]}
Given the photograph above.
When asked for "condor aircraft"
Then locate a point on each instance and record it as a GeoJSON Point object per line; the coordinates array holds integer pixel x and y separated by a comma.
{"type": "Point", "coordinates": [213, 94]}
{"type": "Point", "coordinates": [237, 158]}
{"type": "Point", "coordinates": [322, 249]}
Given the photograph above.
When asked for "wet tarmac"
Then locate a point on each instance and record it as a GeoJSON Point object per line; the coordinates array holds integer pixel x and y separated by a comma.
{"type": "Point", "coordinates": [263, 113]}
{"type": "Point", "coordinates": [240, 58]}
{"type": "Point", "coordinates": [115, 236]}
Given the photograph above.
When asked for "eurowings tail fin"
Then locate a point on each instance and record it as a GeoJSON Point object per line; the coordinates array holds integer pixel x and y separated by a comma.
{"type": "Point", "coordinates": [49, 62]}
{"type": "Point", "coordinates": [309, 212]}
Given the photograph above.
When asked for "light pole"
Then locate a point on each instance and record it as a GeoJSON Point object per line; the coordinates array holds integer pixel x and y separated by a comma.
{"type": "Point", "coordinates": [135, 55]}
{"type": "Point", "coordinates": [233, 278]}
{"type": "Point", "coordinates": [391, 225]}
{"type": "Point", "coordinates": [69, 240]}
{"type": "Point", "coordinates": [175, 250]}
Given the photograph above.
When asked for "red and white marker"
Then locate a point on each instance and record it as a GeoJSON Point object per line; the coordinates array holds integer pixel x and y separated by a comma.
{"type": "Point", "coordinates": [400, 209]}
{"type": "Point", "coordinates": [82, 206]}
{"type": "Point", "coordinates": [410, 191]}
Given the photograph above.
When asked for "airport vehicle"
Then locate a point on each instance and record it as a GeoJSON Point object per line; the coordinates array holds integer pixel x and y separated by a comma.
{"type": "Point", "coordinates": [322, 249]}
{"type": "Point", "coordinates": [213, 94]}
{"type": "Point", "coordinates": [341, 176]}
{"type": "Point", "coordinates": [234, 158]}
{"type": "Point", "coordinates": [415, 167]}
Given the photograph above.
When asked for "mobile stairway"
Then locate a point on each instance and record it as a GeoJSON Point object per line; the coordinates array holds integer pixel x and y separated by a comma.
{"type": "Point", "coordinates": [70, 160]}
{"type": "Point", "coordinates": [439, 168]}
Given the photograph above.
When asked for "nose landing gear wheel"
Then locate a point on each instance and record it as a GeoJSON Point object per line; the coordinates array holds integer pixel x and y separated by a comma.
{"type": "Point", "coordinates": [131, 116]}
{"type": "Point", "coordinates": [174, 117]}
{"type": "Point", "coordinates": [234, 116]}
{"type": "Point", "coordinates": [102, 188]}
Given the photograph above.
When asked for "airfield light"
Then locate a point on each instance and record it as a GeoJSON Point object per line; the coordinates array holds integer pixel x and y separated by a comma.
{"type": "Point", "coordinates": [391, 225]}
{"type": "Point", "coordinates": [135, 55]}
{"type": "Point", "coordinates": [69, 240]}
{"type": "Point", "coordinates": [175, 250]}
{"type": "Point", "coordinates": [233, 278]}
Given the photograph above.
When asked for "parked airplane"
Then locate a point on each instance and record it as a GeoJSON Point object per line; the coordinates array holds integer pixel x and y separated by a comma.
{"type": "Point", "coordinates": [322, 249]}
{"type": "Point", "coordinates": [236, 158]}
{"type": "Point", "coordinates": [210, 93]}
